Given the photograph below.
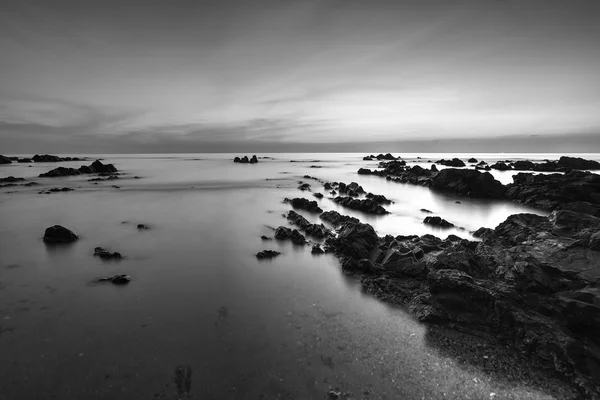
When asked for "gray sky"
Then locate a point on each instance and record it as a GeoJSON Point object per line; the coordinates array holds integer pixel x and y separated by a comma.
{"type": "Point", "coordinates": [127, 76]}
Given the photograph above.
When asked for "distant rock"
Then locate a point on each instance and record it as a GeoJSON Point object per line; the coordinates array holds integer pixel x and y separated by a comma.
{"type": "Point", "coordinates": [11, 179]}
{"type": "Point", "coordinates": [472, 160]}
{"type": "Point", "coordinates": [467, 182]}
{"type": "Point", "coordinates": [5, 160]}
{"type": "Point", "coordinates": [59, 234]}
{"type": "Point", "coordinates": [119, 279]}
{"type": "Point", "coordinates": [523, 165]}
{"type": "Point", "coordinates": [46, 158]}
{"type": "Point", "coordinates": [578, 163]}
{"type": "Point", "coordinates": [263, 237]}
{"type": "Point", "coordinates": [500, 166]}
{"type": "Point", "coordinates": [60, 171]}
{"type": "Point", "coordinates": [142, 227]}
{"type": "Point", "coordinates": [24, 160]}
{"type": "Point", "coordinates": [267, 254]}
{"type": "Point", "coordinates": [245, 160]}
{"type": "Point", "coordinates": [106, 255]}
{"type": "Point", "coordinates": [304, 186]}
{"type": "Point", "coordinates": [96, 167]}
{"type": "Point", "coordinates": [455, 162]}
{"type": "Point", "coordinates": [318, 195]}
{"type": "Point", "coordinates": [437, 221]}
{"type": "Point", "coordinates": [387, 156]}
{"type": "Point", "coordinates": [336, 219]}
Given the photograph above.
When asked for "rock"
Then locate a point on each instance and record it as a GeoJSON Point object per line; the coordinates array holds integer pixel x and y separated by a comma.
{"type": "Point", "coordinates": [237, 160]}
{"type": "Point", "coordinates": [142, 227]}
{"type": "Point", "coordinates": [98, 167]}
{"type": "Point", "coordinates": [500, 166]}
{"type": "Point", "coordinates": [336, 219]}
{"type": "Point", "coordinates": [364, 171]}
{"type": "Point", "coordinates": [316, 249]}
{"type": "Point", "coordinates": [106, 255]}
{"type": "Point", "coordinates": [59, 234]}
{"type": "Point", "coordinates": [482, 232]}
{"type": "Point", "coordinates": [11, 179]}
{"type": "Point", "coordinates": [245, 160]}
{"type": "Point", "coordinates": [5, 160]}
{"type": "Point", "coordinates": [523, 165]}
{"type": "Point", "coordinates": [318, 195]}
{"type": "Point", "coordinates": [24, 160]}
{"type": "Point", "coordinates": [46, 158]}
{"type": "Point", "coordinates": [263, 237]}
{"type": "Point", "coordinates": [378, 198]}
{"type": "Point", "coordinates": [367, 205]}
{"type": "Point", "coordinates": [318, 231]}
{"type": "Point", "coordinates": [267, 254]}
{"type": "Point", "coordinates": [426, 211]}
{"type": "Point", "coordinates": [283, 233]}
{"type": "Point", "coordinates": [119, 279]}
{"type": "Point", "coordinates": [304, 204]}
{"type": "Point", "coordinates": [403, 261]}
{"type": "Point", "coordinates": [304, 186]}
{"type": "Point", "coordinates": [355, 240]}
{"type": "Point", "coordinates": [253, 160]}
{"type": "Point", "coordinates": [472, 160]}
{"type": "Point", "coordinates": [577, 163]}
{"type": "Point", "coordinates": [55, 190]}
{"type": "Point", "coordinates": [455, 162]}
{"type": "Point", "coordinates": [437, 221]}
{"type": "Point", "coordinates": [467, 182]}
{"type": "Point", "coordinates": [60, 171]}
{"type": "Point", "coordinates": [433, 168]}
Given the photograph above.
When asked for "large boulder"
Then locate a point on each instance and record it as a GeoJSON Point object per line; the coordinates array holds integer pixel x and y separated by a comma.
{"type": "Point", "coordinates": [59, 234]}
{"type": "Point", "coordinates": [577, 163]}
{"type": "Point", "coordinates": [467, 182]}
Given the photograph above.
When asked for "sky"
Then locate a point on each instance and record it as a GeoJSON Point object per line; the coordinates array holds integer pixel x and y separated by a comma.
{"type": "Point", "coordinates": [299, 75]}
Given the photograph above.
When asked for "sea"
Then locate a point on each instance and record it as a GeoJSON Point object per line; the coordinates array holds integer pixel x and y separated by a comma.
{"type": "Point", "coordinates": [294, 327]}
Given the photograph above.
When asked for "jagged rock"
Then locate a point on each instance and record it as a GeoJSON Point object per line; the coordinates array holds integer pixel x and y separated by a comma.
{"type": "Point", "coordinates": [366, 205]}
{"type": "Point", "coordinates": [106, 255]}
{"type": "Point", "coordinates": [378, 198]}
{"type": "Point", "coordinates": [304, 186]}
{"type": "Point", "coordinates": [316, 230]}
{"type": "Point", "coordinates": [437, 221]}
{"type": "Point", "coordinates": [60, 171]}
{"type": "Point", "coordinates": [467, 182]}
{"type": "Point", "coordinates": [523, 165]}
{"type": "Point", "coordinates": [455, 162]}
{"type": "Point", "coordinates": [283, 233]}
{"type": "Point", "coordinates": [318, 195]}
{"type": "Point", "coordinates": [355, 240]}
{"type": "Point", "coordinates": [336, 219]}
{"type": "Point", "coordinates": [267, 254]}
{"type": "Point", "coordinates": [500, 166]}
{"type": "Point", "coordinates": [59, 234]}
{"type": "Point", "coordinates": [304, 204]}
{"type": "Point", "coordinates": [119, 279]}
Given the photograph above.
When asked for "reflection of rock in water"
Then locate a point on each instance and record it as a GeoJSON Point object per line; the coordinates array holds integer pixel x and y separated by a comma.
{"type": "Point", "coordinates": [183, 380]}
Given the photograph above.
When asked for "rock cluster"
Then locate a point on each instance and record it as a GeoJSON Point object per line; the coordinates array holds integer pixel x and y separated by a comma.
{"type": "Point", "coordinates": [380, 156]}
{"type": "Point", "coordinates": [317, 230]}
{"type": "Point", "coordinates": [455, 162]}
{"type": "Point", "coordinates": [304, 204]}
{"type": "Point", "coordinates": [245, 160]}
{"type": "Point", "coordinates": [97, 167]}
{"type": "Point", "coordinates": [106, 255]}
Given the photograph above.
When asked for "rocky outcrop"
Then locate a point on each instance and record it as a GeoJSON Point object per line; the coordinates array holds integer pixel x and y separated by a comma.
{"type": "Point", "coordinates": [532, 283]}
{"type": "Point", "coordinates": [46, 158]}
{"type": "Point", "coordinates": [304, 204]}
{"type": "Point", "coordinates": [267, 254]}
{"type": "Point", "coordinates": [97, 167]}
{"type": "Point", "coordinates": [387, 156]}
{"type": "Point", "coordinates": [378, 198]}
{"type": "Point", "coordinates": [283, 233]}
{"type": "Point", "coordinates": [438, 222]}
{"type": "Point", "coordinates": [304, 186]}
{"type": "Point", "coordinates": [467, 182]}
{"type": "Point", "coordinates": [455, 162]}
{"type": "Point", "coordinates": [317, 230]}
{"type": "Point", "coordinates": [11, 179]}
{"type": "Point", "coordinates": [500, 166]}
{"type": "Point", "coordinates": [577, 163]}
{"type": "Point", "coordinates": [523, 165]}
{"type": "Point", "coordinates": [336, 219]}
{"type": "Point", "coordinates": [5, 160]}
{"type": "Point", "coordinates": [59, 234]}
{"type": "Point", "coordinates": [366, 205]}
{"type": "Point", "coordinates": [245, 160]}
{"type": "Point", "coordinates": [106, 255]}
{"type": "Point", "coordinates": [119, 279]}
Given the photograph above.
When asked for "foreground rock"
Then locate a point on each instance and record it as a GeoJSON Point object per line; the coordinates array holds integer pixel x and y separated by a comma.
{"type": "Point", "coordinates": [59, 234]}
{"type": "Point", "coordinates": [106, 255]}
{"type": "Point", "coordinates": [267, 254]}
{"type": "Point", "coordinates": [119, 279]}
{"type": "Point", "coordinates": [304, 204]}
{"type": "Point", "coordinates": [533, 284]}
{"type": "Point", "coordinates": [245, 160]}
{"type": "Point", "coordinates": [317, 230]}
{"type": "Point", "coordinates": [368, 206]}
{"type": "Point", "coordinates": [284, 233]}
{"type": "Point", "coordinates": [97, 167]}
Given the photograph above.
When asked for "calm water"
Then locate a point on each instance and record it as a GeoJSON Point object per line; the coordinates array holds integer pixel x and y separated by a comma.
{"type": "Point", "coordinates": [293, 327]}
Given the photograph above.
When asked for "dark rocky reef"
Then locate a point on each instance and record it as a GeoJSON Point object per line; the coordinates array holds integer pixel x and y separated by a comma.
{"type": "Point", "coordinates": [106, 255]}
{"type": "Point", "coordinates": [336, 219]}
{"type": "Point", "coordinates": [500, 166]}
{"type": "Point", "coordinates": [532, 284]}
{"type": "Point", "coordinates": [304, 204]}
{"type": "Point", "coordinates": [368, 206]}
{"type": "Point", "coordinates": [455, 162]}
{"type": "Point", "coordinates": [317, 230]}
{"type": "Point", "coordinates": [351, 189]}
{"type": "Point", "coordinates": [378, 198]}
{"type": "Point", "coordinates": [437, 221]}
{"type": "Point", "coordinates": [12, 179]}
{"type": "Point", "coordinates": [97, 167]}
{"type": "Point", "coordinates": [284, 233]}
{"type": "Point", "coordinates": [267, 254]}
{"type": "Point", "coordinates": [245, 160]}
{"type": "Point", "coordinates": [5, 160]}
{"type": "Point", "coordinates": [59, 234]}
{"type": "Point", "coordinates": [119, 279]}
{"type": "Point", "coordinates": [380, 156]}
{"type": "Point", "coordinates": [304, 186]}
{"type": "Point", "coordinates": [467, 182]}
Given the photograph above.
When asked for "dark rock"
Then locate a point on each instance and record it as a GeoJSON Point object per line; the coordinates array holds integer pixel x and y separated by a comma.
{"type": "Point", "coordinates": [65, 189]}
{"type": "Point", "coordinates": [500, 166]}
{"type": "Point", "coordinates": [472, 160]}
{"type": "Point", "coordinates": [304, 204]}
{"type": "Point", "coordinates": [378, 198]}
{"type": "Point", "coordinates": [316, 249]}
{"type": "Point", "coordinates": [106, 255]}
{"type": "Point", "coordinates": [263, 237]}
{"type": "Point", "coordinates": [437, 221]}
{"type": "Point", "coordinates": [142, 227]}
{"type": "Point", "coordinates": [523, 165]}
{"type": "Point", "coordinates": [336, 219]}
{"type": "Point", "coordinates": [366, 205]}
{"type": "Point", "coordinates": [318, 195]}
{"type": "Point", "coordinates": [59, 234]}
{"type": "Point", "coordinates": [237, 160]}
{"type": "Point", "coordinates": [433, 168]}
{"type": "Point", "coordinates": [577, 163]}
{"type": "Point", "coordinates": [5, 160]}
{"type": "Point", "coordinates": [46, 158]}
{"type": "Point", "coordinates": [283, 233]}
{"type": "Point", "coordinates": [355, 240]}
{"type": "Point", "coordinates": [316, 230]}
{"type": "Point", "coordinates": [11, 179]}
{"type": "Point", "coordinates": [119, 279]}
{"type": "Point", "coordinates": [253, 160]}
{"type": "Point", "coordinates": [60, 171]}
{"type": "Point", "coordinates": [24, 160]}
{"type": "Point", "coordinates": [426, 211]}
{"type": "Point", "coordinates": [483, 232]}
{"type": "Point", "coordinates": [98, 167]}
{"type": "Point", "coordinates": [304, 186]}
{"type": "Point", "coordinates": [267, 254]}
{"type": "Point", "coordinates": [364, 171]}
{"type": "Point", "coordinates": [467, 182]}
{"type": "Point", "coordinates": [455, 162]}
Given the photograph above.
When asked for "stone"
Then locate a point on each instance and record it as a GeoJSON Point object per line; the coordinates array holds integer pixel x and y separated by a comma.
{"type": "Point", "coordinates": [106, 255]}
{"type": "Point", "coordinates": [59, 234]}
{"type": "Point", "coordinates": [437, 221]}
{"type": "Point", "coordinates": [267, 254]}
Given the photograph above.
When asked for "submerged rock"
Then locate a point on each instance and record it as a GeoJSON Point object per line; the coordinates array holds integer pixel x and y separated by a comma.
{"type": "Point", "coordinates": [118, 279]}
{"type": "Point", "coordinates": [245, 160]}
{"type": "Point", "coordinates": [59, 234]}
{"type": "Point", "coordinates": [46, 158]}
{"type": "Point", "coordinates": [11, 179]}
{"type": "Point", "coordinates": [106, 255]}
{"type": "Point", "coordinates": [437, 221]}
{"type": "Point", "coordinates": [500, 166]}
{"type": "Point", "coordinates": [455, 162]}
{"type": "Point", "coordinates": [283, 233]}
{"type": "Point", "coordinates": [96, 167]}
{"type": "Point", "coordinates": [267, 254]}
{"type": "Point", "coordinates": [366, 205]}
{"type": "Point", "coordinates": [304, 204]}
{"type": "Point", "coordinates": [60, 171]}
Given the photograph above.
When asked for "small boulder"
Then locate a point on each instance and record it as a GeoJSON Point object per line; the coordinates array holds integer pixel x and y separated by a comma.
{"type": "Point", "coordinates": [119, 279]}
{"type": "Point", "coordinates": [437, 221]}
{"type": "Point", "coordinates": [107, 255]}
{"type": "Point", "coordinates": [59, 234]}
{"type": "Point", "coordinates": [267, 254]}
